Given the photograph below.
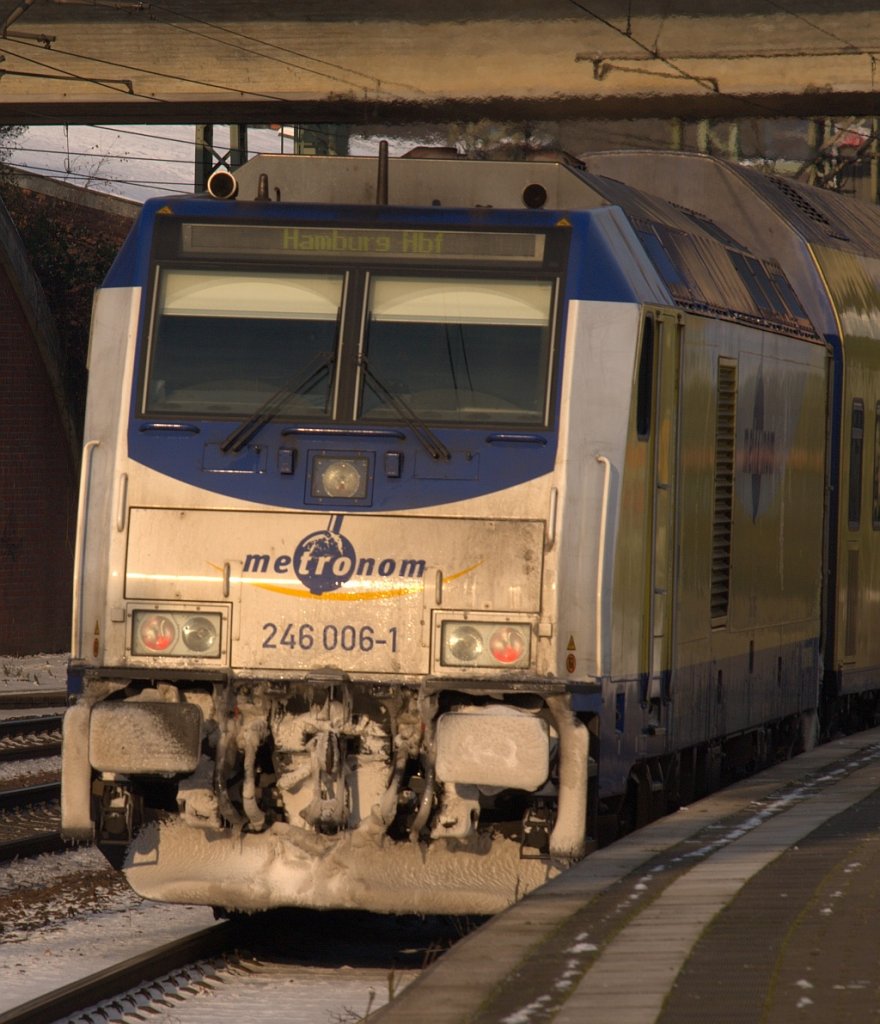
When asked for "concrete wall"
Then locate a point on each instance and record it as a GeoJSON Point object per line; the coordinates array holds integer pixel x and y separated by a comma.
{"type": "Point", "coordinates": [39, 425]}
{"type": "Point", "coordinates": [37, 469]}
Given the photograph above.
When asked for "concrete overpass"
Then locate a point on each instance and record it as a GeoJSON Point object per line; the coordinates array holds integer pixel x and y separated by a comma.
{"type": "Point", "coordinates": [397, 62]}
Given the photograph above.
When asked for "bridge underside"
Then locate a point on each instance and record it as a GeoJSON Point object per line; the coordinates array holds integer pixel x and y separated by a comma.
{"type": "Point", "coordinates": [396, 63]}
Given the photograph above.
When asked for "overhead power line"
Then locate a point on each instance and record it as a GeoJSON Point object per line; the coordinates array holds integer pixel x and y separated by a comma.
{"type": "Point", "coordinates": [283, 49]}
{"type": "Point", "coordinates": [600, 65]}
{"type": "Point", "coordinates": [370, 81]}
{"type": "Point", "coordinates": [181, 187]}
{"type": "Point", "coordinates": [819, 28]}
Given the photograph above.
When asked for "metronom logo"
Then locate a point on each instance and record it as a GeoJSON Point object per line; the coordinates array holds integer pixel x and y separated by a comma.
{"type": "Point", "coordinates": [325, 560]}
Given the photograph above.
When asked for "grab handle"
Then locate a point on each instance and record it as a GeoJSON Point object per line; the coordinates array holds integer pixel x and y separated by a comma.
{"type": "Point", "coordinates": [85, 485]}
{"type": "Point", "coordinates": [600, 574]}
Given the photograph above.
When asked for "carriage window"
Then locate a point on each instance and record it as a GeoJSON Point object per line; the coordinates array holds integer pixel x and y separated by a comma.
{"type": "Point", "coordinates": [856, 442]}
{"type": "Point", "coordinates": [458, 350]}
{"type": "Point", "coordinates": [645, 382]}
{"type": "Point", "coordinates": [225, 343]}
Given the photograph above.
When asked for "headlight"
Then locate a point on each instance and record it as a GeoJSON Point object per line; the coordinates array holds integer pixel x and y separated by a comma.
{"type": "Point", "coordinates": [485, 644]}
{"type": "Point", "coordinates": [347, 478]}
{"type": "Point", "coordinates": [176, 634]}
{"type": "Point", "coordinates": [200, 634]}
{"type": "Point", "coordinates": [464, 643]}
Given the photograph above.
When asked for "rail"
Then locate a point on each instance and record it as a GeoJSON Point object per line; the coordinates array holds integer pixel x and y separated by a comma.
{"type": "Point", "coordinates": [23, 738]}
{"type": "Point", "coordinates": [102, 985]}
{"type": "Point", "coordinates": [47, 792]}
{"type": "Point", "coordinates": [29, 822]}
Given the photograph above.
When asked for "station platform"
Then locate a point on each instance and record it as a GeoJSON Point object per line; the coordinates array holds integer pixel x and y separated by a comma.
{"type": "Point", "coordinates": [757, 905]}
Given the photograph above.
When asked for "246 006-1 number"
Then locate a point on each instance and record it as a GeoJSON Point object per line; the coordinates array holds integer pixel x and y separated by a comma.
{"type": "Point", "coordinates": [306, 637]}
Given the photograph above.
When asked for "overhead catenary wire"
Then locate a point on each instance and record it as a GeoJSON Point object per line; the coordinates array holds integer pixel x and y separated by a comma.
{"type": "Point", "coordinates": [284, 49]}
{"type": "Point", "coordinates": [651, 51]}
{"type": "Point", "coordinates": [374, 82]}
{"type": "Point", "coordinates": [188, 145]}
{"type": "Point", "coordinates": [152, 72]}
{"type": "Point", "coordinates": [106, 156]}
{"type": "Point", "coordinates": [712, 84]}
{"type": "Point", "coordinates": [819, 28]}
{"type": "Point", "coordinates": [164, 9]}
{"type": "Point", "coordinates": [183, 187]}
{"type": "Point", "coordinates": [113, 86]}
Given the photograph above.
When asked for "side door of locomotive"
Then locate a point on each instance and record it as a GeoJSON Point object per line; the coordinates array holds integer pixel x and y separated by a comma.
{"type": "Point", "coordinates": [655, 668]}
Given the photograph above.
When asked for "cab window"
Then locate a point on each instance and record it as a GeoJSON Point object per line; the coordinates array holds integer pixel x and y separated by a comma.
{"type": "Point", "coordinates": [225, 343]}
{"type": "Point", "coordinates": [457, 350]}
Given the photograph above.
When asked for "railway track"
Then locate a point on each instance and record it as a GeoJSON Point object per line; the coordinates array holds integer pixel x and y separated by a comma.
{"type": "Point", "coordinates": [295, 956]}
{"type": "Point", "coordinates": [23, 738]}
{"type": "Point", "coordinates": [17, 700]}
{"type": "Point", "coordinates": [177, 963]}
{"type": "Point", "coordinates": [30, 814]}
{"type": "Point", "coordinates": [29, 821]}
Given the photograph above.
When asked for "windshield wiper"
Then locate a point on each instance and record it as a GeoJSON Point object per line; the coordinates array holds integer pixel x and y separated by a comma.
{"type": "Point", "coordinates": [425, 436]}
{"type": "Point", "coordinates": [310, 376]}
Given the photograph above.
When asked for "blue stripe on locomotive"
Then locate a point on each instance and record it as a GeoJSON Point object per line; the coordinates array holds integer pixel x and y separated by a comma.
{"type": "Point", "coordinates": [594, 271]}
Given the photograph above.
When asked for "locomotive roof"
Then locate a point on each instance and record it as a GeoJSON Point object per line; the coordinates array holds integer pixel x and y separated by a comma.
{"type": "Point", "coordinates": [699, 254]}
{"type": "Point", "coordinates": [706, 267]}
{"type": "Point", "coordinates": [777, 218]}
{"type": "Point", "coordinates": [729, 192]}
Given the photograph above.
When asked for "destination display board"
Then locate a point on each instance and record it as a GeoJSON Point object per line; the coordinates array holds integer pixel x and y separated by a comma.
{"type": "Point", "coordinates": [369, 243]}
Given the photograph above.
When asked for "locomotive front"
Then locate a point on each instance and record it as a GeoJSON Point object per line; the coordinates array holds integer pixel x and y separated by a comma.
{"type": "Point", "coordinates": [314, 624]}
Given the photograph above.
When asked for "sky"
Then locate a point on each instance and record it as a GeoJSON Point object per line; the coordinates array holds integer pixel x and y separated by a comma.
{"type": "Point", "coordinates": [134, 161]}
{"type": "Point", "coordinates": [137, 161]}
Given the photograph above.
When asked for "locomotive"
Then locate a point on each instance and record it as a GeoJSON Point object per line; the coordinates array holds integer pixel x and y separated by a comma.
{"type": "Point", "coordinates": [442, 518]}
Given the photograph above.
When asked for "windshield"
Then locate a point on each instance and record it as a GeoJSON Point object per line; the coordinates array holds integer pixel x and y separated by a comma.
{"type": "Point", "coordinates": [458, 350]}
{"type": "Point", "coordinates": [224, 343]}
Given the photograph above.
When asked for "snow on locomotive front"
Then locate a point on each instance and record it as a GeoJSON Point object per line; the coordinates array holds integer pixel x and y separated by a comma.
{"type": "Point", "coordinates": [317, 641]}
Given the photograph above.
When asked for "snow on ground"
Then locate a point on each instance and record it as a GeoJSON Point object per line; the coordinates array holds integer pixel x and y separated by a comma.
{"type": "Point", "coordinates": [36, 673]}
{"type": "Point", "coordinates": [272, 994]}
{"type": "Point", "coordinates": [56, 936]}
{"type": "Point", "coordinates": [36, 957]}
{"type": "Point", "coordinates": [52, 933]}
{"type": "Point", "coordinates": [23, 772]}
{"type": "Point", "coordinates": [34, 962]}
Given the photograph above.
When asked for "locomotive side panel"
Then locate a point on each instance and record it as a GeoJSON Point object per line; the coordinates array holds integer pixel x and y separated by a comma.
{"type": "Point", "coordinates": [691, 693]}
{"type": "Point", "coordinates": [103, 488]}
{"type": "Point", "coordinates": [854, 285]}
{"type": "Point", "coordinates": [751, 517]}
{"type": "Point", "coordinates": [764, 611]}
{"type": "Point", "coordinates": [747, 431]}
{"type": "Point", "coordinates": [597, 383]}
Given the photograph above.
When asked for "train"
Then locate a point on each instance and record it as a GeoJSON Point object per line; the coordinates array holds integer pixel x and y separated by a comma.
{"type": "Point", "coordinates": [442, 519]}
